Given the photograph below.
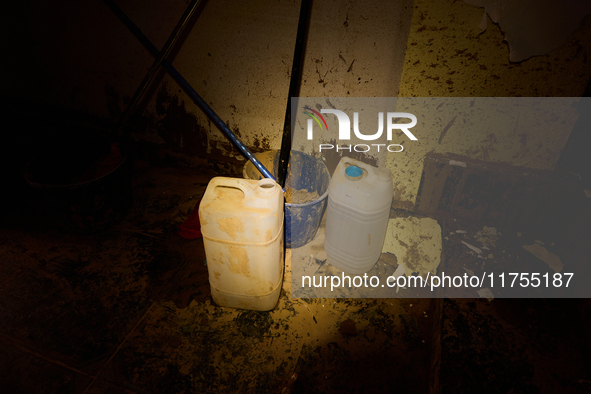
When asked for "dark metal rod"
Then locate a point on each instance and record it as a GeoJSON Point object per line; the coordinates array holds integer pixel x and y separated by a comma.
{"type": "Point", "coordinates": [180, 26]}
{"type": "Point", "coordinates": [294, 89]}
{"type": "Point", "coordinates": [189, 89]}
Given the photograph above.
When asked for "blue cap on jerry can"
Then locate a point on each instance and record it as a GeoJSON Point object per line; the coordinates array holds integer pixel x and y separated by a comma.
{"type": "Point", "coordinates": [353, 172]}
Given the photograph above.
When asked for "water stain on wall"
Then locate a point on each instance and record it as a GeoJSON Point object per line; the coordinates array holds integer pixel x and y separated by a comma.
{"type": "Point", "coordinates": [261, 145]}
{"type": "Point", "coordinates": [177, 126]}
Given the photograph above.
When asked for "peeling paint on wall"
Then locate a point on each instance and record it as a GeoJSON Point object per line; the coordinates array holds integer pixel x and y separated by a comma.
{"type": "Point", "coordinates": [533, 27]}
{"type": "Point", "coordinates": [448, 56]}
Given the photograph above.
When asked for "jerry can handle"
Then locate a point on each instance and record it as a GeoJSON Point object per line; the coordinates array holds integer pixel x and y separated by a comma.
{"type": "Point", "coordinates": [236, 184]}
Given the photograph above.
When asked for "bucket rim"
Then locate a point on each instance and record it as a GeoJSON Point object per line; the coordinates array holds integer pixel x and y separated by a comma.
{"type": "Point", "coordinates": [309, 203]}
{"type": "Point", "coordinates": [276, 152]}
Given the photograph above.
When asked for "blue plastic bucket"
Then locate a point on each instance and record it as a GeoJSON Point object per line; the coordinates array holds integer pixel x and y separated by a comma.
{"type": "Point", "coordinates": [304, 172]}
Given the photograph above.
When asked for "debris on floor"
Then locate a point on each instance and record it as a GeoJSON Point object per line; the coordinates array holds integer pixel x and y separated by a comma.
{"type": "Point", "coordinates": [130, 310]}
{"type": "Point", "coordinates": [543, 254]}
{"type": "Point", "coordinates": [416, 242]}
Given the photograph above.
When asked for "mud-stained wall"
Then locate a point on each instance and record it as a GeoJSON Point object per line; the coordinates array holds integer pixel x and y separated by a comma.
{"type": "Point", "coordinates": [239, 58]}
{"type": "Point", "coordinates": [236, 55]}
{"type": "Point", "coordinates": [447, 55]}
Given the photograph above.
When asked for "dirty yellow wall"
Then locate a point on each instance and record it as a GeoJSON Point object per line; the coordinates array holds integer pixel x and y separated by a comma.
{"type": "Point", "coordinates": [238, 57]}
{"type": "Point", "coordinates": [447, 55]}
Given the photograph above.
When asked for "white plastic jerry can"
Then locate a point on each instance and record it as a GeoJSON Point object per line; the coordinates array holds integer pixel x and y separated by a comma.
{"type": "Point", "coordinates": [359, 200]}
{"type": "Point", "coordinates": [242, 227]}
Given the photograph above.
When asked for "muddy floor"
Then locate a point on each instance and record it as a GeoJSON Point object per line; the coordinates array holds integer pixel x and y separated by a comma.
{"type": "Point", "coordinates": [128, 310]}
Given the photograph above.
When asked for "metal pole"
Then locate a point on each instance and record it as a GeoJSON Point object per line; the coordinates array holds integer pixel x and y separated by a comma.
{"type": "Point", "coordinates": [189, 89]}
{"type": "Point", "coordinates": [157, 63]}
{"type": "Point", "coordinates": [294, 89]}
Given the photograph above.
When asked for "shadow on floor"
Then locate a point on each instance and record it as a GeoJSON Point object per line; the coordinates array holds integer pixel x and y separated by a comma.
{"type": "Point", "coordinates": [128, 310]}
